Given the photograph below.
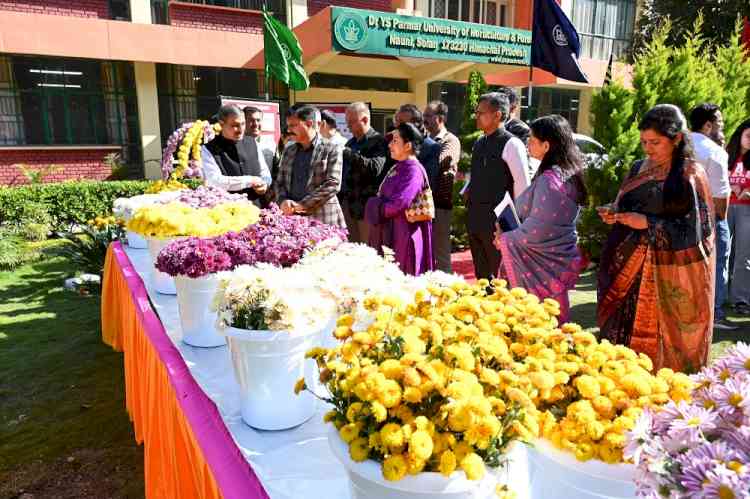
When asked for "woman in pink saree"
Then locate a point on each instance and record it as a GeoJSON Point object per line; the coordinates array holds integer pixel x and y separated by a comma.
{"type": "Point", "coordinates": [541, 255]}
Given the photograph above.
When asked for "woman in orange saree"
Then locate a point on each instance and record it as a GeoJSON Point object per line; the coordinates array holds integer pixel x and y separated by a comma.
{"type": "Point", "coordinates": [656, 279]}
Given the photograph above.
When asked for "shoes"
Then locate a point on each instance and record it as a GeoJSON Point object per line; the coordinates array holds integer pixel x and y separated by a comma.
{"type": "Point", "coordinates": [725, 325]}
{"type": "Point", "coordinates": [742, 308]}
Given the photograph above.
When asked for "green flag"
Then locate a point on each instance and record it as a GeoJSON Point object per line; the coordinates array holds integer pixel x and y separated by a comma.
{"type": "Point", "coordinates": [283, 54]}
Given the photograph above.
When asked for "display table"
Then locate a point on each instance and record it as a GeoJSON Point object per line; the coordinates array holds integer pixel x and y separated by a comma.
{"type": "Point", "coordinates": [185, 406]}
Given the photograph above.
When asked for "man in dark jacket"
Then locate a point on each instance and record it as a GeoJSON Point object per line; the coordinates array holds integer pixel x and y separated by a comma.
{"type": "Point", "coordinates": [499, 164]}
{"type": "Point", "coordinates": [233, 161]}
{"type": "Point", "coordinates": [513, 123]}
{"type": "Point", "coordinates": [364, 159]}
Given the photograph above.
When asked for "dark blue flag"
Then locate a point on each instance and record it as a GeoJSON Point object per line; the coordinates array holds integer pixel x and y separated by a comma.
{"type": "Point", "coordinates": [555, 46]}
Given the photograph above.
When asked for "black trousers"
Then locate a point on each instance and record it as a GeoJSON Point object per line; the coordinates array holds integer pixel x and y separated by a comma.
{"type": "Point", "coordinates": [485, 256]}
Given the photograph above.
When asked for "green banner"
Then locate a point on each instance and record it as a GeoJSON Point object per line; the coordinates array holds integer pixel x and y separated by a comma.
{"type": "Point", "coordinates": [384, 33]}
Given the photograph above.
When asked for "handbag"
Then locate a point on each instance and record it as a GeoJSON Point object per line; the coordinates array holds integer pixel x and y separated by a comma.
{"type": "Point", "coordinates": [422, 207]}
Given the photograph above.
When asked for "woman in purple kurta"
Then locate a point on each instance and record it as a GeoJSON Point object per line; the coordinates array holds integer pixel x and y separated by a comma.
{"type": "Point", "coordinates": [411, 242]}
{"type": "Point", "coordinates": [541, 255]}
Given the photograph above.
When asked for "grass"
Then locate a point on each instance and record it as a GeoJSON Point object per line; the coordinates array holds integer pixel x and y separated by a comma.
{"type": "Point", "coordinates": [64, 431]}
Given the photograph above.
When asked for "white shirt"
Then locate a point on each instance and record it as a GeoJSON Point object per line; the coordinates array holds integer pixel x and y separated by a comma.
{"type": "Point", "coordinates": [515, 155]}
{"type": "Point", "coordinates": [338, 139]}
{"type": "Point", "coordinates": [213, 176]}
{"type": "Point", "coordinates": [518, 161]}
{"type": "Point", "coordinates": [715, 160]}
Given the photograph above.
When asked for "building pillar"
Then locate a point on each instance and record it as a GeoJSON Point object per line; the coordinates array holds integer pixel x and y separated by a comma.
{"type": "Point", "coordinates": [296, 12]}
{"type": "Point", "coordinates": [420, 90]}
{"type": "Point", "coordinates": [584, 111]}
{"type": "Point", "coordinates": [140, 11]}
{"type": "Point", "coordinates": [148, 117]}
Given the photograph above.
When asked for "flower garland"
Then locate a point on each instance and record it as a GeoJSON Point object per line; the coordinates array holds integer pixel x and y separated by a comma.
{"type": "Point", "coordinates": [177, 219]}
{"type": "Point", "coordinates": [164, 186]}
{"type": "Point", "coordinates": [186, 141]}
{"type": "Point", "coordinates": [699, 448]}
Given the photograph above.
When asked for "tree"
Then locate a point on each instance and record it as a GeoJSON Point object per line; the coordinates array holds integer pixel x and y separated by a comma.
{"type": "Point", "coordinates": [719, 18]}
{"type": "Point", "coordinates": [699, 69]}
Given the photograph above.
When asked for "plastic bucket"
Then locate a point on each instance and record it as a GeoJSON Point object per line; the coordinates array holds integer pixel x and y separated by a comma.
{"type": "Point", "coordinates": [366, 478]}
{"type": "Point", "coordinates": [559, 475]}
{"type": "Point", "coordinates": [161, 282]}
{"type": "Point", "coordinates": [267, 364]}
{"type": "Point", "coordinates": [136, 241]}
{"type": "Point", "coordinates": [198, 322]}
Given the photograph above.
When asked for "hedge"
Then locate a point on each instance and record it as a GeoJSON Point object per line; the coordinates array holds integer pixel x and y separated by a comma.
{"type": "Point", "coordinates": [68, 202]}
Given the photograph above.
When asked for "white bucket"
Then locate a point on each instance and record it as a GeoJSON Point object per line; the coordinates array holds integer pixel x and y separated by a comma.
{"type": "Point", "coordinates": [559, 475]}
{"type": "Point", "coordinates": [136, 241]}
{"type": "Point", "coordinates": [267, 364]}
{"type": "Point", "coordinates": [161, 282]}
{"type": "Point", "coordinates": [366, 478]}
{"type": "Point", "coordinates": [198, 322]}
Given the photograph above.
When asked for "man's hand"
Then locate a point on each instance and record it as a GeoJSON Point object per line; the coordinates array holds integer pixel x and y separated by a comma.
{"type": "Point", "coordinates": [260, 188]}
{"type": "Point", "coordinates": [287, 207]}
{"type": "Point", "coordinates": [290, 207]}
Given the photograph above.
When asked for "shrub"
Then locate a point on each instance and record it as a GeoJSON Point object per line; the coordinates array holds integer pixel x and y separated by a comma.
{"type": "Point", "coordinates": [87, 249]}
{"type": "Point", "coordinates": [15, 251]}
{"type": "Point", "coordinates": [68, 203]}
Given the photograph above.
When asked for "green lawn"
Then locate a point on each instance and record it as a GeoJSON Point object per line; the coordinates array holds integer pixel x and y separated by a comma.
{"type": "Point", "coordinates": [64, 431]}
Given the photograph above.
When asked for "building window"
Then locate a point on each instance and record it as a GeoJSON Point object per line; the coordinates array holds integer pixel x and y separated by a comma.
{"type": "Point", "coordinates": [604, 26]}
{"type": "Point", "coordinates": [494, 12]}
{"type": "Point", "coordinates": [349, 82]}
{"type": "Point", "coordinates": [187, 93]}
{"type": "Point", "coordinates": [56, 101]}
{"type": "Point", "coordinates": [160, 8]}
{"type": "Point", "coordinates": [546, 101]}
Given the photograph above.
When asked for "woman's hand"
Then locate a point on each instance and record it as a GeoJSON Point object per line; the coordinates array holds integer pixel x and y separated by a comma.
{"type": "Point", "coordinates": [636, 221]}
{"type": "Point", "coordinates": [498, 233]}
{"type": "Point", "coordinates": [606, 213]}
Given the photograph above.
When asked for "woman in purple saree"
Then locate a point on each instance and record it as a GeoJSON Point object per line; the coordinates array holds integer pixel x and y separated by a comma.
{"type": "Point", "coordinates": [541, 255]}
{"type": "Point", "coordinates": [411, 242]}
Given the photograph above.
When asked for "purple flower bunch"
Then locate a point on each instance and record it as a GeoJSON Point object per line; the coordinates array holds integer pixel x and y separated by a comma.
{"type": "Point", "coordinates": [208, 197]}
{"type": "Point", "coordinates": [195, 256]}
{"type": "Point", "coordinates": [701, 448]}
{"type": "Point", "coordinates": [276, 239]}
{"type": "Point", "coordinates": [282, 240]}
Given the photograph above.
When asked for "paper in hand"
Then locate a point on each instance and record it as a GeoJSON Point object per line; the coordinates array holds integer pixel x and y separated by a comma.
{"type": "Point", "coordinates": [506, 214]}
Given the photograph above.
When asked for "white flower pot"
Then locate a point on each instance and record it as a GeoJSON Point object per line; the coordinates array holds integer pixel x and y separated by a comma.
{"type": "Point", "coordinates": [198, 322]}
{"type": "Point", "coordinates": [366, 478]}
{"type": "Point", "coordinates": [267, 364]}
{"type": "Point", "coordinates": [161, 282]}
{"type": "Point", "coordinates": [136, 241]}
{"type": "Point", "coordinates": [559, 475]}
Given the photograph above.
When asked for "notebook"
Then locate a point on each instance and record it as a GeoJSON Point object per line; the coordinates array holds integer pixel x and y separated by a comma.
{"type": "Point", "coordinates": [506, 214]}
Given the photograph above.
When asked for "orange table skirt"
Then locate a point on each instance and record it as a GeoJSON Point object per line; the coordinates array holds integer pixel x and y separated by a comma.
{"type": "Point", "coordinates": [188, 451]}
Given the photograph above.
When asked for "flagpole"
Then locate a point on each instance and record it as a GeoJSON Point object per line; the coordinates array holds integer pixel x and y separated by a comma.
{"type": "Point", "coordinates": [531, 67]}
{"type": "Point", "coordinates": [265, 69]}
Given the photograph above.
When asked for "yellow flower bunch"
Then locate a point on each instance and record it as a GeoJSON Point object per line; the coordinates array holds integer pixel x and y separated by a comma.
{"type": "Point", "coordinates": [447, 381]}
{"type": "Point", "coordinates": [427, 385]}
{"type": "Point", "coordinates": [609, 387]}
{"type": "Point", "coordinates": [165, 185]}
{"type": "Point", "coordinates": [178, 219]}
{"type": "Point", "coordinates": [103, 222]}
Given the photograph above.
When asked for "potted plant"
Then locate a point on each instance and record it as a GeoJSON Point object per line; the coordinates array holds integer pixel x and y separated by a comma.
{"type": "Point", "coordinates": [270, 319]}
{"type": "Point", "coordinates": [422, 403]}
